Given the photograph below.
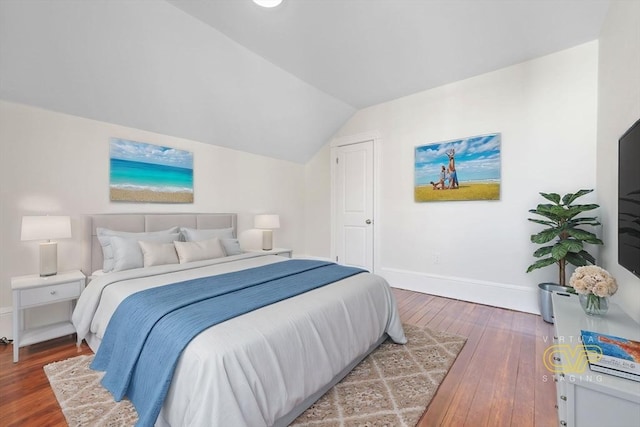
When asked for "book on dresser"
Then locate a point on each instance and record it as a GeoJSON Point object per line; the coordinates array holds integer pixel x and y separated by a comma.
{"type": "Point", "coordinates": [612, 355]}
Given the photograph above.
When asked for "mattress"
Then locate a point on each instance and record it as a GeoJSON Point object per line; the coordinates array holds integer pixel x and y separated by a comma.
{"type": "Point", "coordinates": [261, 368]}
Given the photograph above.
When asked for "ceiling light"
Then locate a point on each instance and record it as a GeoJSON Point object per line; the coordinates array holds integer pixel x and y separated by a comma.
{"type": "Point", "coordinates": [267, 3]}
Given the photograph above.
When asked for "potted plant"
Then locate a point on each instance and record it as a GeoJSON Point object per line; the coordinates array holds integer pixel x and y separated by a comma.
{"type": "Point", "coordinates": [563, 239]}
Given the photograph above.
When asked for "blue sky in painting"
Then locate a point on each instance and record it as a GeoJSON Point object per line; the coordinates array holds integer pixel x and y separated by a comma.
{"type": "Point", "coordinates": [148, 153]}
{"type": "Point", "coordinates": [477, 159]}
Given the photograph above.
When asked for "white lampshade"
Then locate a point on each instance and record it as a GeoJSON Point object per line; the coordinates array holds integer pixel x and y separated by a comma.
{"type": "Point", "coordinates": [45, 227]}
{"type": "Point", "coordinates": [267, 3]}
{"type": "Point", "coordinates": [267, 222]}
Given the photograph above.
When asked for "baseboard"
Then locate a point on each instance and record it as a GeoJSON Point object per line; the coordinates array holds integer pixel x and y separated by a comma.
{"type": "Point", "coordinates": [6, 322]}
{"type": "Point", "coordinates": [482, 292]}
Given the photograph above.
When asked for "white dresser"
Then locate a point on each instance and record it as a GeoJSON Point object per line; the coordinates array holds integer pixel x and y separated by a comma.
{"type": "Point", "coordinates": [591, 398]}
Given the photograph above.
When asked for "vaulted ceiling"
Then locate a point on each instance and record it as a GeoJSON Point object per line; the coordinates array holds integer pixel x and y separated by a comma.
{"type": "Point", "coordinates": [276, 82]}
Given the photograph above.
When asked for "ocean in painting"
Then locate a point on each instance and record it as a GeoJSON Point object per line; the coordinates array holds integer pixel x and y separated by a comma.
{"type": "Point", "coordinates": [132, 175]}
{"type": "Point", "coordinates": [142, 172]}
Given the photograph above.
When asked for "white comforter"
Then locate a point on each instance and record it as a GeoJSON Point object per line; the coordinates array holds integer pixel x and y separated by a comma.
{"type": "Point", "coordinates": [254, 369]}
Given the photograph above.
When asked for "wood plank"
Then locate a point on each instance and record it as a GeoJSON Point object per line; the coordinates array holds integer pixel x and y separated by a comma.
{"type": "Point", "coordinates": [465, 371]}
{"type": "Point", "coordinates": [424, 316]}
{"type": "Point", "coordinates": [545, 391]}
{"type": "Point", "coordinates": [497, 340]}
{"type": "Point", "coordinates": [523, 413]}
{"type": "Point", "coordinates": [443, 399]}
{"type": "Point", "coordinates": [502, 400]}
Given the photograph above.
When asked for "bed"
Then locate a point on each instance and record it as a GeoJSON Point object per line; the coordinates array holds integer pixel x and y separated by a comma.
{"type": "Point", "coordinates": [261, 368]}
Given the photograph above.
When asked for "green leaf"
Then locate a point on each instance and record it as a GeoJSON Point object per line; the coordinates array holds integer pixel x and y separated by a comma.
{"type": "Point", "coordinates": [577, 209]}
{"type": "Point", "coordinates": [566, 199]}
{"type": "Point", "coordinates": [559, 251]}
{"type": "Point", "coordinates": [571, 245]}
{"type": "Point", "coordinates": [586, 255]}
{"type": "Point", "coordinates": [545, 250]}
{"type": "Point", "coordinates": [577, 259]}
{"type": "Point", "coordinates": [580, 234]}
{"type": "Point", "coordinates": [553, 197]}
{"type": "Point", "coordinates": [541, 221]}
{"type": "Point", "coordinates": [545, 211]}
{"type": "Point", "coordinates": [540, 263]}
{"type": "Point", "coordinates": [569, 198]}
{"type": "Point", "coordinates": [584, 221]}
{"type": "Point", "coordinates": [588, 207]}
{"type": "Point", "coordinates": [545, 236]}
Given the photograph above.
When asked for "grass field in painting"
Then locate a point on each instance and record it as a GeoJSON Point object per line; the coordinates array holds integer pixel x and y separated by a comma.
{"type": "Point", "coordinates": [466, 191]}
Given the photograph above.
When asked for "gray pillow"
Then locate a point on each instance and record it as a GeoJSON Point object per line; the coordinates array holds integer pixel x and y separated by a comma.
{"type": "Point", "coordinates": [194, 235]}
{"type": "Point", "coordinates": [231, 246]}
{"type": "Point", "coordinates": [105, 234]}
{"type": "Point", "coordinates": [127, 253]}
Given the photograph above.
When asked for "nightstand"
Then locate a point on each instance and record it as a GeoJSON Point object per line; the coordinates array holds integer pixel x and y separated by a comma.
{"type": "Point", "coordinates": [275, 251]}
{"type": "Point", "coordinates": [35, 291]}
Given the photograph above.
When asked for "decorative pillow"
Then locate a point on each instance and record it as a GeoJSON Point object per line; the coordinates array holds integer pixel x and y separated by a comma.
{"type": "Point", "coordinates": [194, 235]}
{"type": "Point", "coordinates": [127, 253]}
{"type": "Point", "coordinates": [105, 234]}
{"type": "Point", "coordinates": [154, 253]}
{"type": "Point", "coordinates": [231, 246]}
{"type": "Point", "coordinates": [196, 251]}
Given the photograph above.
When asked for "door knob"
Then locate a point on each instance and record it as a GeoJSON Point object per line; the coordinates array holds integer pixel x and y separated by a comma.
{"type": "Point", "coordinates": [368, 221]}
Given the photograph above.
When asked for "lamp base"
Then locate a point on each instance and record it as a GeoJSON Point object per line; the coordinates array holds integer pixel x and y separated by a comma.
{"type": "Point", "coordinates": [267, 240]}
{"type": "Point", "coordinates": [48, 259]}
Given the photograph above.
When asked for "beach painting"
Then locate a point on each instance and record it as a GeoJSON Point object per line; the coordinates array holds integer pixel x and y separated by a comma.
{"type": "Point", "coordinates": [460, 169]}
{"type": "Point", "coordinates": [142, 172]}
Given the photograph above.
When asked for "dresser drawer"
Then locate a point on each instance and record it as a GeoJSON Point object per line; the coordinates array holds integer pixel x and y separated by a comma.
{"type": "Point", "coordinates": [49, 294]}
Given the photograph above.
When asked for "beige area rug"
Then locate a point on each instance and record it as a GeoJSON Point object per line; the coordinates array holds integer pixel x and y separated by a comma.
{"type": "Point", "coordinates": [391, 387]}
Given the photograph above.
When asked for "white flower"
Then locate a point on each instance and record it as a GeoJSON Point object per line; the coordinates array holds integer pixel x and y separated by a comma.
{"type": "Point", "coordinates": [592, 279]}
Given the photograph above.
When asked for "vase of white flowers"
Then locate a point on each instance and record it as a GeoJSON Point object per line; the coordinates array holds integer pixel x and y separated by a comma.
{"type": "Point", "coordinates": [594, 286]}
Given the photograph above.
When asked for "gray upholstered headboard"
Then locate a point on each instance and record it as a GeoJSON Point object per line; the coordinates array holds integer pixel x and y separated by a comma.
{"type": "Point", "coordinates": [144, 222]}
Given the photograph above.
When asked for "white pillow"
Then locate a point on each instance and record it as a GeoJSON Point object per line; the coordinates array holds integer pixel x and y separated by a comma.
{"type": "Point", "coordinates": [231, 246]}
{"type": "Point", "coordinates": [154, 253]}
{"type": "Point", "coordinates": [105, 234]}
{"type": "Point", "coordinates": [194, 235]}
{"type": "Point", "coordinates": [196, 251]}
{"type": "Point", "coordinates": [127, 253]}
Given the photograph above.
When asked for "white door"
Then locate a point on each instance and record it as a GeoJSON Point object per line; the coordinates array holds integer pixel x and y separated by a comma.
{"type": "Point", "coordinates": [354, 189]}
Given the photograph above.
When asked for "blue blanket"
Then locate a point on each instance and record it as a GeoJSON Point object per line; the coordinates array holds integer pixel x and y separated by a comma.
{"type": "Point", "coordinates": [149, 330]}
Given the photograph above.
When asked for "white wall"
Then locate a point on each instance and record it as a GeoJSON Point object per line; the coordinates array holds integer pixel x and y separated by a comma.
{"type": "Point", "coordinates": [546, 112]}
{"type": "Point", "coordinates": [53, 163]}
{"type": "Point", "coordinates": [618, 109]}
{"type": "Point", "coordinates": [318, 204]}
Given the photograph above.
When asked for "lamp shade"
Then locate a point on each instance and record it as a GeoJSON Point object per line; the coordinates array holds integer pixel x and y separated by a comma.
{"type": "Point", "coordinates": [267, 3]}
{"type": "Point", "coordinates": [268, 222]}
{"type": "Point", "coordinates": [45, 227]}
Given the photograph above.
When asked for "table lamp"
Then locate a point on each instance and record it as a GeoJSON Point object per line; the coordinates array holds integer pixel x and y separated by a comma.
{"type": "Point", "coordinates": [267, 223]}
{"type": "Point", "coordinates": [46, 228]}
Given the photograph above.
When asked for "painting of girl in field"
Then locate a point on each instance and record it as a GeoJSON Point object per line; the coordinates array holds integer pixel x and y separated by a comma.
{"type": "Point", "coordinates": [461, 169]}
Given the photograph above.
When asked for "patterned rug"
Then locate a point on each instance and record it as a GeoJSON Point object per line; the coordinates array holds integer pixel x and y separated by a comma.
{"type": "Point", "coordinates": [392, 386]}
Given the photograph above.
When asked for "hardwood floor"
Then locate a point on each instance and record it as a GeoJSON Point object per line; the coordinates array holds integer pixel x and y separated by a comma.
{"type": "Point", "coordinates": [497, 379]}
